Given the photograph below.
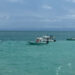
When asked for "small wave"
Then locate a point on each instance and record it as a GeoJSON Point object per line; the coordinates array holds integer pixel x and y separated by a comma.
{"type": "Point", "coordinates": [69, 65]}
{"type": "Point", "coordinates": [61, 68]}
{"type": "Point", "coordinates": [58, 70]}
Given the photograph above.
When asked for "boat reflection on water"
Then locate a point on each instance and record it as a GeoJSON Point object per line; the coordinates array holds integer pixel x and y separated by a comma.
{"type": "Point", "coordinates": [42, 40]}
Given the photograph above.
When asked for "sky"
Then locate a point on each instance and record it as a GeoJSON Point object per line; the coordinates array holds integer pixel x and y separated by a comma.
{"type": "Point", "coordinates": [37, 14]}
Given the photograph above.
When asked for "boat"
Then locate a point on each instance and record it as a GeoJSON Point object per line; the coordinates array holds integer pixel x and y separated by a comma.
{"type": "Point", "coordinates": [71, 39]}
{"type": "Point", "coordinates": [42, 40]}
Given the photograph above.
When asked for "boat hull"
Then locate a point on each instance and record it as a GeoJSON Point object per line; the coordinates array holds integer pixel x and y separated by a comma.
{"type": "Point", "coordinates": [35, 43]}
{"type": "Point", "coordinates": [71, 39]}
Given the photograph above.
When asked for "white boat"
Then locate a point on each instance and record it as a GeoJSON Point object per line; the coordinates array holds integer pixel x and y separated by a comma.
{"type": "Point", "coordinates": [42, 40]}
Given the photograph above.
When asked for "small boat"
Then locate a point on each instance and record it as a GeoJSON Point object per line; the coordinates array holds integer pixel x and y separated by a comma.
{"type": "Point", "coordinates": [42, 40]}
{"type": "Point", "coordinates": [71, 39]}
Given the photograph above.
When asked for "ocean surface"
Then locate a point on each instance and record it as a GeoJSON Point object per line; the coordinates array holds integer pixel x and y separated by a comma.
{"type": "Point", "coordinates": [17, 57]}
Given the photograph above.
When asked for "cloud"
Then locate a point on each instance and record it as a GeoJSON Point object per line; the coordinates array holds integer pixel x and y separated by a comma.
{"type": "Point", "coordinates": [70, 14]}
{"type": "Point", "coordinates": [66, 18]}
{"type": "Point", "coordinates": [47, 7]}
{"type": "Point", "coordinates": [4, 18]}
{"type": "Point", "coordinates": [48, 20]}
{"type": "Point", "coordinates": [15, 1]}
{"type": "Point", "coordinates": [71, 1]}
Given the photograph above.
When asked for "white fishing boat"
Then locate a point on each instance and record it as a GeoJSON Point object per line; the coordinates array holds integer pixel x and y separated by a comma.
{"type": "Point", "coordinates": [42, 40]}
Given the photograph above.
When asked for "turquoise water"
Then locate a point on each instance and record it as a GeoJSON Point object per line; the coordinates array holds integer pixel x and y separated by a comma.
{"type": "Point", "coordinates": [17, 57]}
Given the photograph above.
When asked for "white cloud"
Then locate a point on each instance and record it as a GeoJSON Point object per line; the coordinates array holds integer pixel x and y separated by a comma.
{"type": "Point", "coordinates": [71, 1]}
{"type": "Point", "coordinates": [70, 14]}
{"type": "Point", "coordinates": [49, 20]}
{"type": "Point", "coordinates": [65, 17]}
{"type": "Point", "coordinates": [4, 17]}
{"type": "Point", "coordinates": [47, 7]}
{"type": "Point", "coordinates": [15, 1]}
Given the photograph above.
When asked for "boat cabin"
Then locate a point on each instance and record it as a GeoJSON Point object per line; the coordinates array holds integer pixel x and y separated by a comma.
{"type": "Point", "coordinates": [39, 39]}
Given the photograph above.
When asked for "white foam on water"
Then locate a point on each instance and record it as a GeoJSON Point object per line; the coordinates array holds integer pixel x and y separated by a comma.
{"type": "Point", "coordinates": [58, 70]}
{"type": "Point", "coordinates": [69, 65]}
